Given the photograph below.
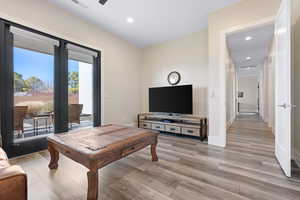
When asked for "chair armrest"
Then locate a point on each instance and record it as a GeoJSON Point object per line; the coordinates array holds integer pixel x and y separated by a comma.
{"type": "Point", "coordinates": [13, 183]}
{"type": "Point", "coordinates": [10, 171]}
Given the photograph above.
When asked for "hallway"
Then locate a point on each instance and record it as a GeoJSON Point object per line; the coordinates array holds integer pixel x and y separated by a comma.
{"type": "Point", "coordinates": [252, 136]}
{"type": "Point", "coordinates": [253, 140]}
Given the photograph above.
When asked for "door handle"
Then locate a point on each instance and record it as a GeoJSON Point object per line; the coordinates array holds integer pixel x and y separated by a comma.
{"type": "Point", "coordinates": [285, 106]}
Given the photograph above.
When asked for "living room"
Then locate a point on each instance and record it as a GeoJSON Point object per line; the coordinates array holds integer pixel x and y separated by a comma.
{"type": "Point", "coordinates": [100, 60]}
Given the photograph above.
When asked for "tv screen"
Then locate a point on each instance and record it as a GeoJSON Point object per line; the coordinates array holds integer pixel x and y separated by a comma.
{"type": "Point", "coordinates": [177, 99]}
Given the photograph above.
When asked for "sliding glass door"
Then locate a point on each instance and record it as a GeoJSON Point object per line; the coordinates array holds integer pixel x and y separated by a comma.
{"type": "Point", "coordinates": [80, 91]}
{"type": "Point", "coordinates": [33, 66]}
{"type": "Point", "coordinates": [33, 91]}
{"type": "Point", "coordinates": [80, 94]}
{"type": "Point", "coordinates": [47, 86]}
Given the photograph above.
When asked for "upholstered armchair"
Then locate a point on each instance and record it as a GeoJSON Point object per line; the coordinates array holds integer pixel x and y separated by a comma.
{"type": "Point", "coordinates": [13, 180]}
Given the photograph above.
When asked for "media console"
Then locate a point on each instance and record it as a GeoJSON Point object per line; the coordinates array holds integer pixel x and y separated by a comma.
{"type": "Point", "coordinates": [178, 124]}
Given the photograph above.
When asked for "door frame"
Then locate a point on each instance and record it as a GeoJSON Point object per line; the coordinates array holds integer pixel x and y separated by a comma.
{"type": "Point", "coordinates": [222, 138]}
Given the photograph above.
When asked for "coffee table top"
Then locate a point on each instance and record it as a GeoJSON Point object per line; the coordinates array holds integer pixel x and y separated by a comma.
{"type": "Point", "coordinates": [93, 140]}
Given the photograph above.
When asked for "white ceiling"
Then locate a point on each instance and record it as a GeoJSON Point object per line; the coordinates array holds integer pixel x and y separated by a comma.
{"type": "Point", "coordinates": [155, 20]}
{"type": "Point", "coordinates": [257, 48]}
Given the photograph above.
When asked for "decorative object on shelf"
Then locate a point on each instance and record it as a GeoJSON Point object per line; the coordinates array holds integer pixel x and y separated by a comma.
{"type": "Point", "coordinates": [174, 78]}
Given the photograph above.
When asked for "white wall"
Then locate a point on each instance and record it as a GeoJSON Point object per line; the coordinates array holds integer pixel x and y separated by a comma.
{"type": "Point", "coordinates": [86, 87]}
{"type": "Point", "coordinates": [120, 60]}
{"type": "Point", "coordinates": [248, 85]}
{"type": "Point", "coordinates": [230, 96]}
{"type": "Point", "coordinates": [239, 14]}
{"type": "Point", "coordinates": [265, 96]}
{"type": "Point", "coordinates": [231, 83]}
{"type": "Point", "coordinates": [269, 68]}
{"type": "Point", "coordinates": [187, 55]}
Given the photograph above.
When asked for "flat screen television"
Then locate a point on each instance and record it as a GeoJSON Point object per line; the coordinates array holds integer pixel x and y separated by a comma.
{"type": "Point", "coordinates": [175, 99]}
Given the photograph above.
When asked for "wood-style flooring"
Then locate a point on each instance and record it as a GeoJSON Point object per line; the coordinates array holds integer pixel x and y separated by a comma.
{"type": "Point", "coordinates": [187, 170]}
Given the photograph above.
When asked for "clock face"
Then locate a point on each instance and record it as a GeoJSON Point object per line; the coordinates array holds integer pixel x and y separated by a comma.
{"type": "Point", "coordinates": [174, 78]}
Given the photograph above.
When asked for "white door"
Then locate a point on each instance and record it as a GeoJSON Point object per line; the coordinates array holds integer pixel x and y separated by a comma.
{"type": "Point", "coordinates": [283, 108]}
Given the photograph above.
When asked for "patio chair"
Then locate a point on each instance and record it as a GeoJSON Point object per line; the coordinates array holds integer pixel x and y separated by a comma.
{"type": "Point", "coordinates": [19, 116]}
{"type": "Point", "coordinates": [74, 113]}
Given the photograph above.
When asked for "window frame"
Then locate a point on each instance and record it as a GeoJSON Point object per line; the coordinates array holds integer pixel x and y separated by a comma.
{"type": "Point", "coordinates": [60, 90]}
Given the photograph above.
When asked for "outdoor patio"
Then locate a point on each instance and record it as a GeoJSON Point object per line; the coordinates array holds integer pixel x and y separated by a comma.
{"type": "Point", "coordinates": [44, 126]}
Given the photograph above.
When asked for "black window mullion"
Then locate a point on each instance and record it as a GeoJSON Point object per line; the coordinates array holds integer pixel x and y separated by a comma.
{"type": "Point", "coordinates": [6, 85]}
{"type": "Point", "coordinates": [61, 88]}
{"type": "Point", "coordinates": [97, 90]}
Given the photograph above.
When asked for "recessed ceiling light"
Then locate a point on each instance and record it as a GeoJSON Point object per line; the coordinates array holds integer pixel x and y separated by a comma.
{"type": "Point", "coordinates": [129, 20]}
{"type": "Point", "coordinates": [248, 38]}
{"type": "Point", "coordinates": [248, 58]}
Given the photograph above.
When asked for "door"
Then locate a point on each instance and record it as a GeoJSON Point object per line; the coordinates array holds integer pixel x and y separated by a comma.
{"type": "Point", "coordinates": [6, 86]}
{"type": "Point", "coordinates": [283, 108]}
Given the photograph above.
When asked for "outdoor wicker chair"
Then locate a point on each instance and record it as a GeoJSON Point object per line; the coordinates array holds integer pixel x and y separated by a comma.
{"type": "Point", "coordinates": [74, 113]}
{"type": "Point", "coordinates": [19, 116]}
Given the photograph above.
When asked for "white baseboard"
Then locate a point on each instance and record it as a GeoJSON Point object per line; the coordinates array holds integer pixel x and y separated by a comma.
{"type": "Point", "coordinates": [217, 141]}
{"type": "Point", "coordinates": [297, 157]}
{"type": "Point", "coordinates": [230, 122]}
{"type": "Point", "coordinates": [132, 124]}
{"type": "Point", "coordinates": [266, 120]}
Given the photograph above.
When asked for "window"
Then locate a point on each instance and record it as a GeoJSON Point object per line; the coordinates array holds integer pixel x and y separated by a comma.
{"type": "Point", "coordinates": [36, 87]}
{"type": "Point", "coordinates": [33, 84]}
{"type": "Point", "coordinates": [80, 84]}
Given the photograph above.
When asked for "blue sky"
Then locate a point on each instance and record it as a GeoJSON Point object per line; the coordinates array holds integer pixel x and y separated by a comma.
{"type": "Point", "coordinates": [30, 63]}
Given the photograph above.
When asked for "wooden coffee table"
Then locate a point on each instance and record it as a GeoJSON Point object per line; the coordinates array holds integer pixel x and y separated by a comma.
{"type": "Point", "coordinates": [97, 147]}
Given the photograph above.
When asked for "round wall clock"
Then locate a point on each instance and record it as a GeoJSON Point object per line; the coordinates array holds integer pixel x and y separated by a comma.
{"type": "Point", "coordinates": [174, 78]}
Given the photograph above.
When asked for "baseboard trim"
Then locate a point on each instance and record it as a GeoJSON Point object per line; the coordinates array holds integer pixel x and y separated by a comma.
{"type": "Point", "coordinates": [216, 141]}
{"type": "Point", "coordinates": [266, 120]}
{"type": "Point", "coordinates": [229, 123]}
{"type": "Point", "coordinates": [297, 157]}
{"type": "Point", "coordinates": [133, 124]}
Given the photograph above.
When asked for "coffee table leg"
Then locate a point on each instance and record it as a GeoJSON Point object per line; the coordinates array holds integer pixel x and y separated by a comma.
{"type": "Point", "coordinates": [153, 152]}
{"type": "Point", "coordinates": [54, 157]}
{"type": "Point", "coordinates": [92, 185]}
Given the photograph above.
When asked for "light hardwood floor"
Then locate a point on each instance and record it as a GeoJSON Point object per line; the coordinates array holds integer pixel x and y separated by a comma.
{"type": "Point", "coordinates": [187, 170]}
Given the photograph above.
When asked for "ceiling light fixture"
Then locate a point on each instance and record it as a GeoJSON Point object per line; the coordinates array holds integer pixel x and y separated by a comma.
{"type": "Point", "coordinates": [248, 58]}
{"type": "Point", "coordinates": [248, 38]}
{"type": "Point", "coordinates": [129, 20]}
